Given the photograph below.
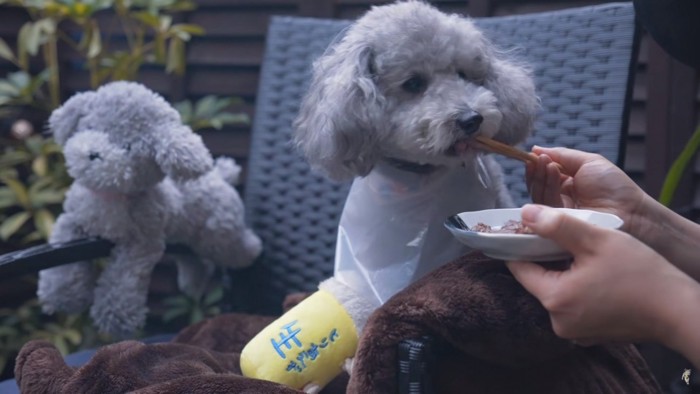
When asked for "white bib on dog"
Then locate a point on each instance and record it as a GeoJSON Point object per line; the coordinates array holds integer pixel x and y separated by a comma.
{"type": "Point", "coordinates": [391, 230]}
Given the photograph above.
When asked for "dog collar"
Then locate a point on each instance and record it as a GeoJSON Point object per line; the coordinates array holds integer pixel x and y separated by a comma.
{"type": "Point", "coordinates": [410, 166]}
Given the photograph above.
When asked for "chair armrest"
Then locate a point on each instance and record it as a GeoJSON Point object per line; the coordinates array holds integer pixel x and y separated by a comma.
{"type": "Point", "coordinates": [40, 257]}
{"type": "Point", "coordinates": [37, 258]}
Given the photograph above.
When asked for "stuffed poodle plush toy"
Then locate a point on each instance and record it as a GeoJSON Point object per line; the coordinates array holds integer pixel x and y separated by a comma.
{"type": "Point", "coordinates": [142, 179]}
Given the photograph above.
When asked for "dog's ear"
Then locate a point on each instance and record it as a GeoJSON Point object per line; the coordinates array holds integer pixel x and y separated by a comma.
{"type": "Point", "coordinates": [336, 125]}
{"type": "Point", "coordinates": [514, 87]}
{"type": "Point", "coordinates": [181, 153]}
{"type": "Point", "coordinates": [64, 120]}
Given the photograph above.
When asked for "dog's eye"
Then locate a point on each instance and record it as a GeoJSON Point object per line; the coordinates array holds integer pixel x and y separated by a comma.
{"type": "Point", "coordinates": [415, 84]}
{"type": "Point", "coordinates": [127, 147]}
{"type": "Point", "coordinates": [462, 75]}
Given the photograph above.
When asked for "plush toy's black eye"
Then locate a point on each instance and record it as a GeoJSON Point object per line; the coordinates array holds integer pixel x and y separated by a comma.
{"type": "Point", "coordinates": [415, 84]}
{"type": "Point", "coordinates": [462, 75]}
{"type": "Point", "coordinates": [127, 147]}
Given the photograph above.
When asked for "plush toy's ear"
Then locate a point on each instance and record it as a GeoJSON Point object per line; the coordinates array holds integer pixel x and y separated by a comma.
{"type": "Point", "coordinates": [64, 120]}
{"type": "Point", "coordinates": [335, 127]}
{"type": "Point", "coordinates": [181, 153]}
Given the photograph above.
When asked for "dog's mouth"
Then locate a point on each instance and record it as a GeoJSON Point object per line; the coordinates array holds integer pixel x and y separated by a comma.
{"type": "Point", "coordinates": [462, 146]}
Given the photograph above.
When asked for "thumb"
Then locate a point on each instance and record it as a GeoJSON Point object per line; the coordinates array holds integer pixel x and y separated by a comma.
{"type": "Point", "coordinates": [535, 278]}
{"type": "Point", "coordinates": [569, 232]}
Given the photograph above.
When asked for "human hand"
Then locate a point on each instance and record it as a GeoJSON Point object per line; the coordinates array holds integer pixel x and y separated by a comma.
{"type": "Point", "coordinates": [591, 182]}
{"type": "Point", "coordinates": [617, 288]}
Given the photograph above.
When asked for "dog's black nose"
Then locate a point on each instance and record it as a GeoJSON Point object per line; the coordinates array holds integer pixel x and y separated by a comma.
{"type": "Point", "coordinates": [469, 122]}
{"type": "Point", "coordinates": [93, 156]}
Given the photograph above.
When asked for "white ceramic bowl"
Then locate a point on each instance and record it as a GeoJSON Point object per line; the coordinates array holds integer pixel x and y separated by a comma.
{"type": "Point", "coordinates": [529, 247]}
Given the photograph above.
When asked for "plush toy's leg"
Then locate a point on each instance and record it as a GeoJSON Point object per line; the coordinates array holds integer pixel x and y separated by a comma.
{"type": "Point", "coordinates": [122, 289]}
{"type": "Point", "coordinates": [310, 344]}
{"type": "Point", "coordinates": [193, 275]}
{"type": "Point", "coordinates": [67, 288]}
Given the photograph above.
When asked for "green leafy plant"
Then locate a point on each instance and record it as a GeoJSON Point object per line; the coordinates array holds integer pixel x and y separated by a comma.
{"type": "Point", "coordinates": [675, 173]}
{"type": "Point", "coordinates": [209, 111]}
{"type": "Point", "coordinates": [33, 182]}
{"type": "Point", "coordinates": [147, 26]}
{"type": "Point", "coordinates": [193, 310]}
{"type": "Point", "coordinates": [66, 332]}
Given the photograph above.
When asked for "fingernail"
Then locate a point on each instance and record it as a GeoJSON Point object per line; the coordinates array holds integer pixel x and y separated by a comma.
{"type": "Point", "coordinates": [531, 212]}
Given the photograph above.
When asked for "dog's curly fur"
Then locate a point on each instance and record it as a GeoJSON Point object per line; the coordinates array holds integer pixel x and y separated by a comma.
{"type": "Point", "coordinates": [141, 179]}
{"type": "Point", "coordinates": [397, 83]}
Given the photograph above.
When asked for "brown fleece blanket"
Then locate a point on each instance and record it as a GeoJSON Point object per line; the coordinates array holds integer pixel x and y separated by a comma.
{"type": "Point", "coordinates": [491, 337]}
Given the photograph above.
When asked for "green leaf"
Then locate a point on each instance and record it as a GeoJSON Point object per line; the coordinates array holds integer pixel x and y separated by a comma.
{"type": "Point", "coordinates": [229, 118]}
{"type": "Point", "coordinates": [185, 110]}
{"type": "Point", "coordinates": [8, 89]}
{"type": "Point", "coordinates": [34, 144]}
{"type": "Point", "coordinates": [176, 57]}
{"type": "Point", "coordinates": [178, 301]}
{"type": "Point", "coordinates": [172, 314]}
{"type": "Point", "coordinates": [95, 46]}
{"type": "Point", "coordinates": [195, 30]}
{"type": "Point", "coordinates": [46, 28]}
{"type": "Point", "coordinates": [7, 198]}
{"type": "Point", "coordinates": [61, 345]}
{"type": "Point", "coordinates": [147, 19]}
{"type": "Point", "coordinates": [73, 336]}
{"type": "Point", "coordinates": [13, 158]}
{"type": "Point", "coordinates": [40, 165]}
{"type": "Point", "coordinates": [214, 296]}
{"type": "Point", "coordinates": [160, 50]}
{"type": "Point", "coordinates": [675, 173]}
{"type": "Point", "coordinates": [165, 22]}
{"type": "Point", "coordinates": [12, 224]}
{"type": "Point", "coordinates": [32, 237]}
{"type": "Point", "coordinates": [32, 39]}
{"type": "Point", "coordinates": [209, 105]}
{"type": "Point", "coordinates": [19, 190]}
{"type": "Point", "coordinates": [196, 316]}
{"type": "Point", "coordinates": [22, 42]}
{"type": "Point", "coordinates": [42, 198]}
{"type": "Point", "coordinates": [44, 221]}
{"type": "Point", "coordinates": [6, 52]}
{"type": "Point", "coordinates": [19, 79]}
{"type": "Point", "coordinates": [50, 146]}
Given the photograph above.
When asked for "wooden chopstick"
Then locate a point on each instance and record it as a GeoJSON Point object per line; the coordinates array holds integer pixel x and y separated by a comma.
{"type": "Point", "coordinates": [509, 151]}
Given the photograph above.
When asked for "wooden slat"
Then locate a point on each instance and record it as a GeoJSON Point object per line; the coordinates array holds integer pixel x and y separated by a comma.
{"type": "Point", "coordinates": [227, 142]}
{"type": "Point", "coordinates": [638, 121]}
{"type": "Point", "coordinates": [640, 89]}
{"type": "Point", "coordinates": [317, 9]}
{"type": "Point", "coordinates": [202, 4]}
{"type": "Point", "coordinates": [634, 155]}
{"type": "Point", "coordinates": [156, 80]}
{"type": "Point", "coordinates": [222, 82]}
{"type": "Point", "coordinates": [231, 52]}
{"type": "Point", "coordinates": [238, 23]}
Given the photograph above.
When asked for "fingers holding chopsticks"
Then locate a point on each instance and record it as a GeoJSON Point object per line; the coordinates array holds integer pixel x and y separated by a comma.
{"type": "Point", "coordinates": [545, 181]}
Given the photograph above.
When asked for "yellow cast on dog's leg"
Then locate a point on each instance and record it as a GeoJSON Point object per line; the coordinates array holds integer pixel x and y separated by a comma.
{"type": "Point", "coordinates": [305, 347]}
